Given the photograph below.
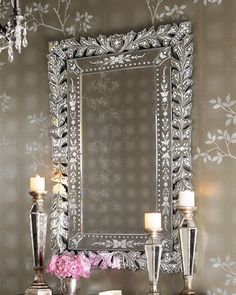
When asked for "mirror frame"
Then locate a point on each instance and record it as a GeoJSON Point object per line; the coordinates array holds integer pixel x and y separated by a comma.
{"type": "Point", "coordinates": [176, 42]}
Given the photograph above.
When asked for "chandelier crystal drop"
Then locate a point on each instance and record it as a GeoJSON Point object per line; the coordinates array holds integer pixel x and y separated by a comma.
{"type": "Point", "coordinates": [13, 33]}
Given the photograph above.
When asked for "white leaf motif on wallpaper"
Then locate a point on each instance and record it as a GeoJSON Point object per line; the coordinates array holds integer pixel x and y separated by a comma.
{"type": "Point", "coordinates": [39, 151]}
{"type": "Point", "coordinates": [226, 267]}
{"type": "Point", "coordinates": [161, 13]}
{"type": "Point", "coordinates": [4, 108]}
{"type": "Point", "coordinates": [5, 142]}
{"type": "Point", "coordinates": [37, 17]}
{"type": "Point", "coordinates": [42, 122]}
{"type": "Point", "coordinates": [38, 155]}
{"type": "Point", "coordinates": [220, 141]}
{"type": "Point", "coordinates": [205, 2]}
{"type": "Point", "coordinates": [4, 102]}
{"type": "Point", "coordinates": [4, 8]}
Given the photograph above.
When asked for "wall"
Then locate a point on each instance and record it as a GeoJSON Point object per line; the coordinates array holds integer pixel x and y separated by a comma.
{"type": "Point", "coordinates": [25, 144]}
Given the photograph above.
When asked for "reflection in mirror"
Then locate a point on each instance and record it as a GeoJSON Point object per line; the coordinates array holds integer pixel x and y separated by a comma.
{"type": "Point", "coordinates": [118, 150]}
{"type": "Point", "coordinates": [121, 140]}
{"type": "Point", "coordinates": [120, 124]}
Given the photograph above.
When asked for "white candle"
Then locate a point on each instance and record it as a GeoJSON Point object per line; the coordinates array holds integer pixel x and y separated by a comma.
{"type": "Point", "coordinates": [152, 221]}
{"type": "Point", "coordinates": [37, 184]}
{"type": "Point", "coordinates": [186, 199]}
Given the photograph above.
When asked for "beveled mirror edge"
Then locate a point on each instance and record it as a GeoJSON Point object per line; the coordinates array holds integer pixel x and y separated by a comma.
{"type": "Point", "coordinates": [179, 38]}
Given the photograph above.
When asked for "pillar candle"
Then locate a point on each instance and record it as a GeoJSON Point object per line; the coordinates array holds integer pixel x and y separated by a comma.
{"type": "Point", "coordinates": [186, 199]}
{"type": "Point", "coordinates": [37, 184]}
{"type": "Point", "coordinates": [152, 221]}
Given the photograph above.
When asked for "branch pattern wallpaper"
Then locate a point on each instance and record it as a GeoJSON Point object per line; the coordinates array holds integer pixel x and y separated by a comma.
{"type": "Point", "coordinates": [25, 143]}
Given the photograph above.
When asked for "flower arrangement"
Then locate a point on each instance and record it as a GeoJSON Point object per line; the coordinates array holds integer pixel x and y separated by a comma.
{"type": "Point", "coordinates": [69, 265]}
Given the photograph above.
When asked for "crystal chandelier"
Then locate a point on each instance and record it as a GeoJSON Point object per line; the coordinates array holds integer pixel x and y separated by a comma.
{"type": "Point", "coordinates": [13, 33]}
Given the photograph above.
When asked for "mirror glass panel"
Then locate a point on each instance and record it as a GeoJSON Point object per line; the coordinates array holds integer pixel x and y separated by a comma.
{"type": "Point", "coordinates": [120, 127]}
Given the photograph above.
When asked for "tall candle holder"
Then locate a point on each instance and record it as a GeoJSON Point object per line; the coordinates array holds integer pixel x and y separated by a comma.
{"type": "Point", "coordinates": [38, 229]}
{"type": "Point", "coordinates": [188, 237]}
{"type": "Point", "coordinates": [153, 250]}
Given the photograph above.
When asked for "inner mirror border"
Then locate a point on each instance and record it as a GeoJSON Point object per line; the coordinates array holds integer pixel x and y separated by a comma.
{"type": "Point", "coordinates": [179, 39]}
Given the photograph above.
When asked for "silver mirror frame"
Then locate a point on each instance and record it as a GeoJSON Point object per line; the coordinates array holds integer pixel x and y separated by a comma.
{"type": "Point", "coordinates": [176, 37]}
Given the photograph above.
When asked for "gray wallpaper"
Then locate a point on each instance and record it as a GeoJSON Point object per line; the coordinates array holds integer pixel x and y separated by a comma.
{"type": "Point", "coordinates": [25, 144]}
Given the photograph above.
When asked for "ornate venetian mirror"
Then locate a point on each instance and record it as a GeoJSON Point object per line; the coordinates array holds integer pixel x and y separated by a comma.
{"type": "Point", "coordinates": [121, 134]}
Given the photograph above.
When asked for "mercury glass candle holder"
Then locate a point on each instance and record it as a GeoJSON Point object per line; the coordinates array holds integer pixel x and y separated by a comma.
{"type": "Point", "coordinates": [188, 237]}
{"type": "Point", "coordinates": [38, 229]}
{"type": "Point", "coordinates": [153, 250]}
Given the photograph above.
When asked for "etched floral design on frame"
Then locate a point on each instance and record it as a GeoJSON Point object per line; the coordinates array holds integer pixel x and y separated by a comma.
{"type": "Point", "coordinates": [173, 149]}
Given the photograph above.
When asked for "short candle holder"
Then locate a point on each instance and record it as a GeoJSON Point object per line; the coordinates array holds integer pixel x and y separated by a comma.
{"type": "Point", "coordinates": [38, 229]}
{"type": "Point", "coordinates": [153, 250]}
{"type": "Point", "coordinates": [188, 237]}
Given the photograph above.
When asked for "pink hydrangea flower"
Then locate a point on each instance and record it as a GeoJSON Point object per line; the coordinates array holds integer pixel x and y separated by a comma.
{"type": "Point", "coordinates": [69, 265]}
{"type": "Point", "coordinates": [79, 265]}
{"type": "Point", "coordinates": [52, 264]}
{"type": "Point", "coordinates": [85, 266]}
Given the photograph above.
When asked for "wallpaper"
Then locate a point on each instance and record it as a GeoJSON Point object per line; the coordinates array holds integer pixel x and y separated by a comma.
{"type": "Point", "coordinates": [25, 143]}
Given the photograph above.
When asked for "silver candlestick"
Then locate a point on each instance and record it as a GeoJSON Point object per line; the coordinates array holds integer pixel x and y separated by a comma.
{"type": "Point", "coordinates": [188, 237]}
{"type": "Point", "coordinates": [38, 229]}
{"type": "Point", "coordinates": [153, 250]}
